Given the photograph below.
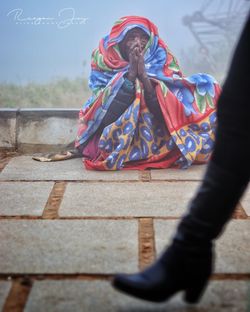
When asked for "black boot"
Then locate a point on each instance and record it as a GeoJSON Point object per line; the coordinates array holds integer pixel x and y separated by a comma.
{"type": "Point", "coordinates": [188, 263]}
{"type": "Point", "coordinates": [177, 269]}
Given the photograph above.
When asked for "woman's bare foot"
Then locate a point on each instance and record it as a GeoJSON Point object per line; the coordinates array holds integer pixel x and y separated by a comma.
{"type": "Point", "coordinates": [74, 153]}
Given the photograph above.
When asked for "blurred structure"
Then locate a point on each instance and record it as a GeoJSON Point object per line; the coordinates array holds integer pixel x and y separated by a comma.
{"type": "Point", "coordinates": [215, 27]}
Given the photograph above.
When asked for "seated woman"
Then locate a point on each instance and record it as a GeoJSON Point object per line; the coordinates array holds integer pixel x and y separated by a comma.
{"type": "Point", "coordinates": [143, 112]}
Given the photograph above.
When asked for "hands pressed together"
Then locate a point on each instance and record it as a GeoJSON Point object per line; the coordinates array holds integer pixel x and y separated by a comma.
{"type": "Point", "coordinates": [136, 63]}
{"type": "Point", "coordinates": [137, 66]}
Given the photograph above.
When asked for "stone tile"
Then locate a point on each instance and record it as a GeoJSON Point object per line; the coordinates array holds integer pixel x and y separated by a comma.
{"type": "Point", "coordinates": [193, 173]}
{"type": "Point", "coordinates": [25, 168]}
{"type": "Point", "coordinates": [127, 199]}
{"type": "Point", "coordinates": [68, 246]}
{"type": "Point", "coordinates": [233, 252]}
{"type": "Point", "coordinates": [233, 247]}
{"type": "Point", "coordinates": [245, 201]}
{"type": "Point", "coordinates": [98, 296]}
{"type": "Point", "coordinates": [4, 291]}
{"type": "Point", "coordinates": [24, 198]}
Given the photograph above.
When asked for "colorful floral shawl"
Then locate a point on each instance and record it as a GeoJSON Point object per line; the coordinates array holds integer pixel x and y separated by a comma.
{"type": "Point", "coordinates": [136, 140]}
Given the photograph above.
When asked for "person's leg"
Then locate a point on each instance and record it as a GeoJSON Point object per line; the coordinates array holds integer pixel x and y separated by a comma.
{"type": "Point", "coordinates": [188, 263]}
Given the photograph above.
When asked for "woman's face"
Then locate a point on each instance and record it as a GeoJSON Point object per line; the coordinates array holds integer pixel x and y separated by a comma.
{"type": "Point", "coordinates": [135, 37]}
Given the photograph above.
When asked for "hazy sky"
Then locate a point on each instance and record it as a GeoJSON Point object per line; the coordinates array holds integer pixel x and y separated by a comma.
{"type": "Point", "coordinates": [43, 52]}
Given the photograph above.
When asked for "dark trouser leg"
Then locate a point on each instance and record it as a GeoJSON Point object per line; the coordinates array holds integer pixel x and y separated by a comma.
{"type": "Point", "coordinates": [188, 262]}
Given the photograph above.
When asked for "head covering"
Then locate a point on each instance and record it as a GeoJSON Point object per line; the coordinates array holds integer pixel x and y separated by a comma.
{"type": "Point", "coordinates": [136, 139]}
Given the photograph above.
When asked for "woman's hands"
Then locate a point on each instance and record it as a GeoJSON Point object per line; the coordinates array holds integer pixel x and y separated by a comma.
{"type": "Point", "coordinates": [142, 75]}
{"type": "Point", "coordinates": [133, 63]}
{"type": "Point", "coordinates": [137, 67]}
{"type": "Point", "coordinates": [136, 63]}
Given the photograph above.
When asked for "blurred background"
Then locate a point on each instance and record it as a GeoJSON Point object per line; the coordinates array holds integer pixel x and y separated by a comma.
{"type": "Point", "coordinates": [46, 45]}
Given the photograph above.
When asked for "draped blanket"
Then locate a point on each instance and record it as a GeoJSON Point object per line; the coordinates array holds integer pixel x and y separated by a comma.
{"type": "Point", "coordinates": [136, 140]}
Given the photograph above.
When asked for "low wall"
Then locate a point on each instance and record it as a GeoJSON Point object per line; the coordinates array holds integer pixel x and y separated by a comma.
{"type": "Point", "coordinates": [37, 130]}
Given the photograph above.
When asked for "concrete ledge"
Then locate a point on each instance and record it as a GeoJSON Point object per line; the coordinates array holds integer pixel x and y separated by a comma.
{"type": "Point", "coordinates": [8, 113]}
{"type": "Point", "coordinates": [38, 113]}
{"type": "Point", "coordinates": [37, 130]}
{"type": "Point", "coordinates": [8, 119]}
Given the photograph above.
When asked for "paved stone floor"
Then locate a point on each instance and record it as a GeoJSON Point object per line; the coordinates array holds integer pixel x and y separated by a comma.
{"type": "Point", "coordinates": [65, 231]}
